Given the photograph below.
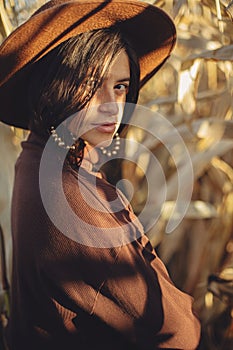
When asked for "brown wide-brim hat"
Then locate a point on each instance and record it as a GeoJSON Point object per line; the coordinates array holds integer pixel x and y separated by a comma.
{"type": "Point", "coordinates": [149, 30]}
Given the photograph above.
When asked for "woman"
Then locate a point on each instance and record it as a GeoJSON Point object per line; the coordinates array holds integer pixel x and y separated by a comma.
{"type": "Point", "coordinates": [84, 274]}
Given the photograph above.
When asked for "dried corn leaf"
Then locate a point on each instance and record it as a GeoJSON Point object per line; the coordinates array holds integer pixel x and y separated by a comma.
{"type": "Point", "coordinates": [195, 210]}
{"type": "Point", "coordinates": [187, 87]}
{"type": "Point", "coordinates": [223, 53]}
{"type": "Point", "coordinates": [222, 7]}
{"type": "Point", "coordinates": [7, 27]}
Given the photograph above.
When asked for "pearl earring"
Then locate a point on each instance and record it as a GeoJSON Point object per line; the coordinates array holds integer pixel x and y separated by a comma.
{"type": "Point", "coordinates": [59, 141]}
{"type": "Point", "coordinates": [115, 150]}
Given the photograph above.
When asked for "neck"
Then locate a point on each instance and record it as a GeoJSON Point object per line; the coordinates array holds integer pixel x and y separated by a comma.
{"type": "Point", "coordinates": [91, 157]}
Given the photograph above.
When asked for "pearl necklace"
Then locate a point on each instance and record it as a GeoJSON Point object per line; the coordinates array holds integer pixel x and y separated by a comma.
{"type": "Point", "coordinates": [59, 141]}
{"type": "Point", "coordinates": [114, 151]}
{"type": "Point", "coordinates": [105, 151]}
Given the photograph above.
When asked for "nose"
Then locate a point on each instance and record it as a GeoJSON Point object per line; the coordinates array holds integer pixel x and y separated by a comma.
{"type": "Point", "coordinates": [107, 101]}
{"type": "Point", "coordinates": [110, 108]}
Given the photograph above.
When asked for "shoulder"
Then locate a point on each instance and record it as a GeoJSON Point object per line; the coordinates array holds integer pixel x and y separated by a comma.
{"type": "Point", "coordinates": [93, 209]}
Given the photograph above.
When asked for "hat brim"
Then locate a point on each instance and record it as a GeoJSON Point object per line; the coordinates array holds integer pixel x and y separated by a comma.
{"type": "Point", "coordinates": [149, 30]}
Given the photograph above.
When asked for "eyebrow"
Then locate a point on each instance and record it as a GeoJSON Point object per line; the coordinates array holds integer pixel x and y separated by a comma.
{"type": "Point", "coordinates": [122, 80]}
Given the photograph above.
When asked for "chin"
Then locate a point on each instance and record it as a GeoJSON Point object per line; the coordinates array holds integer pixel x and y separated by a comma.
{"type": "Point", "coordinates": [99, 141]}
{"type": "Point", "coordinates": [105, 142]}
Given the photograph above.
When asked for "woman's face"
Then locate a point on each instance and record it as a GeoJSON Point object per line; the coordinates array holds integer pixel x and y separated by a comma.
{"type": "Point", "coordinates": [101, 119]}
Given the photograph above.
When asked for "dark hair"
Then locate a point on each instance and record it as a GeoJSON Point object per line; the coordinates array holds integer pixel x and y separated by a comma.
{"type": "Point", "coordinates": [59, 82]}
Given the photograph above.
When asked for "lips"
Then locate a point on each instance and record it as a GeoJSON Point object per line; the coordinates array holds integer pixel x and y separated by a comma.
{"type": "Point", "coordinates": [107, 127]}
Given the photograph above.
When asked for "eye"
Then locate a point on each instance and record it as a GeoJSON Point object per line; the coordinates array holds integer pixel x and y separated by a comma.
{"type": "Point", "coordinates": [123, 87]}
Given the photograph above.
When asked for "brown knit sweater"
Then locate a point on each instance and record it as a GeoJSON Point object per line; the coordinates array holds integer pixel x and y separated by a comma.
{"type": "Point", "coordinates": [68, 295]}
